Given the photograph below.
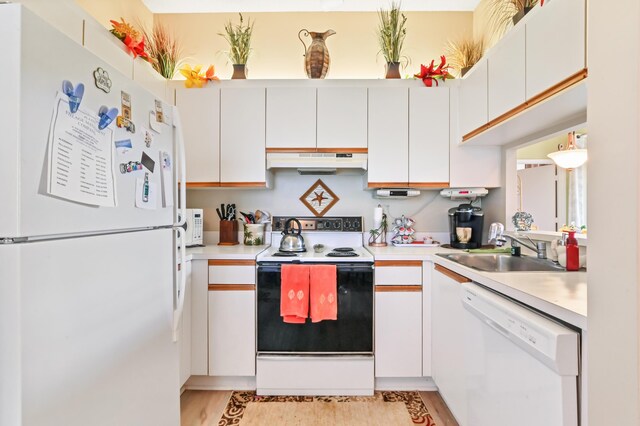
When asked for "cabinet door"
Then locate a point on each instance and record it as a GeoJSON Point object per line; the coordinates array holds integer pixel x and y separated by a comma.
{"type": "Point", "coordinates": [232, 332]}
{"type": "Point", "coordinates": [448, 341]}
{"type": "Point", "coordinates": [200, 115]}
{"type": "Point", "coordinates": [507, 73]}
{"type": "Point", "coordinates": [398, 331]}
{"type": "Point", "coordinates": [291, 117]}
{"type": "Point", "coordinates": [199, 314]}
{"type": "Point", "coordinates": [470, 166]}
{"type": "Point", "coordinates": [342, 117]}
{"type": "Point", "coordinates": [99, 41]}
{"type": "Point", "coordinates": [555, 44]}
{"type": "Point", "coordinates": [428, 136]}
{"type": "Point", "coordinates": [473, 98]}
{"type": "Point", "coordinates": [242, 137]}
{"type": "Point", "coordinates": [388, 137]}
{"type": "Point", "coordinates": [184, 336]}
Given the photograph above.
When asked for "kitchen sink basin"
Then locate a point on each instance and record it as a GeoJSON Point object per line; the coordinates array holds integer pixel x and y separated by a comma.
{"type": "Point", "coordinates": [503, 263]}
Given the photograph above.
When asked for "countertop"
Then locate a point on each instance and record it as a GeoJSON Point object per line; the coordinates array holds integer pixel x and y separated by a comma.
{"type": "Point", "coordinates": [239, 251]}
{"type": "Point", "coordinates": [560, 294]}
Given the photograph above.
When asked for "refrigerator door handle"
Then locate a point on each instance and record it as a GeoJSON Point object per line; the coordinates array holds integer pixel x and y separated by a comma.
{"type": "Point", "coordinates": [181, 287]}
{"type": "Point", "coordinates": [177, 123]}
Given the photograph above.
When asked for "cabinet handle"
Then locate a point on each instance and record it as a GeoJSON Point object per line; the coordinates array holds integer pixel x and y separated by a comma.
{"type": "Point", "coordinates": [232, 287]}
{"type": "Point", "coordinates": [453, 275]}
{"type": "Point", "coordinates": [398, 288]}
{"type": "Point", "coordinates": [232, 262]}
{"type": "Point", "coordinates": [384, 263]}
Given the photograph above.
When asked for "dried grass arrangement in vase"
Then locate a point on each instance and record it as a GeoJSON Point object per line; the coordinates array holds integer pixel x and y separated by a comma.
{"type": "Point", "coordinates": [391, 34]}
{"type": "Point", "coordinates": [504, 13]}
{"type": "Point", "coordinates": [239, 38]}
{"type": "Point", "coordinates": [464, 53]}
{"type": "Point", "coordinates": [164, 50]}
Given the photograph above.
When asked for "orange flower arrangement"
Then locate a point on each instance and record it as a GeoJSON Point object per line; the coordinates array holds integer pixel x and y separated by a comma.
{"type": "Point", "coordinates": [132, 38]}
{"type": "Point", "coordinates": [194, 78]}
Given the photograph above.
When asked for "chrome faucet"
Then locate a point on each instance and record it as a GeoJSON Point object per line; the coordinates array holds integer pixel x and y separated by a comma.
{"type": "Point", "coordinates": [497, 237]}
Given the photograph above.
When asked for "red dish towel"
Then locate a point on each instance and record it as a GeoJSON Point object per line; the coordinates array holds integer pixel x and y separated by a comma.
{"type": "Point", "coordinates": [294, 293]}
{"type": "Point", "coordinates": [324, 298]}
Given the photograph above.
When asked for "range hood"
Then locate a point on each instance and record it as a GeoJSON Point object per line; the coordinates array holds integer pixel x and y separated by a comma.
{"type": "Point", "coordinates": [318, 162]}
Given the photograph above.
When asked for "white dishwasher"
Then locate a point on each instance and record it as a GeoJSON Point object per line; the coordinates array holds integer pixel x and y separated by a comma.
{"type": "Point", "coordinates": [520, 367]}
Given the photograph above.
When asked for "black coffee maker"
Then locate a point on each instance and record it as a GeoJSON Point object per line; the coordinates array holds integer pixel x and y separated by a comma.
{"type": "Point", "coordinates": [465, 226]}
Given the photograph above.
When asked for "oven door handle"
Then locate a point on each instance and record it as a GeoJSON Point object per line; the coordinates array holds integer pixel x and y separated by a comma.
{"type": "Point", "coordinates": [351, 267]}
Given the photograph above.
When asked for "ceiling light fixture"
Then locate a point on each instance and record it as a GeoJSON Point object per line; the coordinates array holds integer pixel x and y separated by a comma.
{"type": "Point", "coordinates": [570, 157]}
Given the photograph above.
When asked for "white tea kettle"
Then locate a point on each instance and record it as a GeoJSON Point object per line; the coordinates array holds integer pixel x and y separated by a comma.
{"type": "Point", "coordinates": [292, 241]}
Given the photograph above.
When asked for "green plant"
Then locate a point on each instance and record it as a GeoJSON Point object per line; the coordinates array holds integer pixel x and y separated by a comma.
{"type": "Point", "coordinates": [164, 50]}
{"type": "Point", "coordinates": [464, 52]}
{"type": "Point", "coordinates": [239, 39]}
{"type": "Point", "coordinates": [501, 13]}
{"type": "Point", "coordinates": [392, 32]}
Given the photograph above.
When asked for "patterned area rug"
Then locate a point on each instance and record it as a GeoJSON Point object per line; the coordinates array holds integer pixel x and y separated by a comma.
{"type": "Point", "coordinates": [384, 408]}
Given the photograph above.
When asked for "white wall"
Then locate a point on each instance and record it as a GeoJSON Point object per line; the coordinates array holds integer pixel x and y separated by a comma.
{"type": "Point", "coordinates": [429, 209]}
{"type": "Point", "coordinates": [614, 137]}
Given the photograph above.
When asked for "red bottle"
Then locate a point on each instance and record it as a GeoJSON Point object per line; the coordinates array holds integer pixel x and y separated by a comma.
{"type": "Point", "coordinates": [573, 253]}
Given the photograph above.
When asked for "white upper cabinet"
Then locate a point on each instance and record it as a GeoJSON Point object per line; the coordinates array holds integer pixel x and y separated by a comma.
{"type": "Point", "coordinates": [428, 135]}
{"type": "Point", "coordinates": [200, 115]}
{"type": "Point", "coordinates": [99, 41]}
{"type": "Point", "coordinates": [507, 73]}
{"type": "Point", "coordinates": [473, 98]}
{"type": "Point", "coordinates": [145, 75]}
{"type": "Point", "coordinates": [388, 136]}
{"type": "Point", "coordinates": [342, 117]}
{"type": "Point", "coordinates": [291, 117]}
{"type": "Point", "coordinates": [242, 137]}
{"type": "Point", "coordinates": [555, 44]}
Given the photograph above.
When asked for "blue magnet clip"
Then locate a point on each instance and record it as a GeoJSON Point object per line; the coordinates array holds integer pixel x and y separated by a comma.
{"type": "Point", "coordinates": [106, 116]}
{"type": "Point", "coordinates": [74, 94]}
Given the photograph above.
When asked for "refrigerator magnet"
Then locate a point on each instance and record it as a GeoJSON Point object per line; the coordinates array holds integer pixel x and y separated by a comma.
{"type": "Point", "coordinates": [148, 137]}
{"type": "Point", "coordinates": [153, 124]}
{"type": "Point", "coordinates": [159, 112]}
{"type": "Point", "coordinates": [106, 116]}
{"type": "Point", "coordinates": [123, 146]}
{"type": "Point", "coordinates": [74, 94]}
{"type": "Point", "coordinates": [147, 162]}
{"type": "Point", "coordinates": [102, 80]}
{"type": "Point", "coordinates": [125, 120]}
{"type": "Point", "coordinates": [129, 167]}
{"type": "Point", "coordinates": [146, 193]}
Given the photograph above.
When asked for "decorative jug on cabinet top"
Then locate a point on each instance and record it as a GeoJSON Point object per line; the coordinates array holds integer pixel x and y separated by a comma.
{"type": "Point", "coordinates": [316, 57]}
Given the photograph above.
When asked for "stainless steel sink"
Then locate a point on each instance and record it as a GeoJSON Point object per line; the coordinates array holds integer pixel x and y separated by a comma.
{"type": "Point", "coordinates": [503, 263]}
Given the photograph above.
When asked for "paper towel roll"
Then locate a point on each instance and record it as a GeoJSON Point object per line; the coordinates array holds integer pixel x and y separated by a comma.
{"type": "Point", "coordinates": [377, 217]}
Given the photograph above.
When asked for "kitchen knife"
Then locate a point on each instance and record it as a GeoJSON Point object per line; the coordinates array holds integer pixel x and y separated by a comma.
{"type": "Point", "coordinates": [219, 213]}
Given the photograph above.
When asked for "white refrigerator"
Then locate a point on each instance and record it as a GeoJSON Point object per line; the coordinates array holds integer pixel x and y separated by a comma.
{"type": "Point", "coordinates": [89, 295]}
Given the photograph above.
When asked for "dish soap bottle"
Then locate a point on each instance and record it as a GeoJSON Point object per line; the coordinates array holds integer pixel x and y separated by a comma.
{"type": "Point", "coordinates": [573, 253]}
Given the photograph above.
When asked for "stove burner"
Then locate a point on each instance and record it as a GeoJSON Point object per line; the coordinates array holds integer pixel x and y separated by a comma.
{"type": "Point", "coordinates": [343, 249]}
{"type": "Point", "coordinates": [342, 254]}
{"type": "Point", "coordinates": [285, 254]}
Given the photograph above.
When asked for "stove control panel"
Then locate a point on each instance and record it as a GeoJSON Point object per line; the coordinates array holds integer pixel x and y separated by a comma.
{"type": "Point", "coordinates": [328, 224]}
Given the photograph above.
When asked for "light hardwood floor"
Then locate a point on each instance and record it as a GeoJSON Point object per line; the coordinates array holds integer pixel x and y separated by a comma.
{"type": "Point", "coordinates": [204, 408]}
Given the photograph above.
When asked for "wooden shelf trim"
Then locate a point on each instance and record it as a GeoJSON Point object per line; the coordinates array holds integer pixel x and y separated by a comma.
{"type": "Point", "coordinates": [232, 287]}
{"type": "Point", "coordinates": [203, 184]}
{"type": "Point", "coordinates": [553, 90]}
{"type": "Point", "coordinates": [330, 150]}
{"type": "Point", "coordinates": [453, 275]}
{"type": "Point", "coordinates": [409, 185]}
{"type": "Point", "coordinates": [387, 263]}
{"type": "Point", "coordinates": [244, 184]}
{"type": "Point", "coordinates": [398, 288]}
{"type": "Point", "coordinates": [232, 262]}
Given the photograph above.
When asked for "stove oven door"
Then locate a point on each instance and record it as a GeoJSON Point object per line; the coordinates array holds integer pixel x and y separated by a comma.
{"type": "Point", "coordinates": [351, 333]}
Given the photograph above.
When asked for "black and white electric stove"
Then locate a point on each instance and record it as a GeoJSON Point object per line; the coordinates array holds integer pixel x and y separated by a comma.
{"type": "Point", "coordinates": [341, 238]}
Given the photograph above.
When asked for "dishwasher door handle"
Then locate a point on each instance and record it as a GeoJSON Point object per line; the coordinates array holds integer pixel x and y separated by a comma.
{"type": "Point", "coordinates": [497, 327]}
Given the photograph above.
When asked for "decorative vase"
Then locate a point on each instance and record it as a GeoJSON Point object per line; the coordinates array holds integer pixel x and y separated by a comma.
{"type": "Point", "coordinates": [464, 70]}
{"type": "Point", "coordinates": [316, 57]}
{"type": "Point", "coordinates": [393, 70]}
{"type": "Point", "coordinates": [520, 14]}
{"type": "Point", "coordinates": [239, 72]}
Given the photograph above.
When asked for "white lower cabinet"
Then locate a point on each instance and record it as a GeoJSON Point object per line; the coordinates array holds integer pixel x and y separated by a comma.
{"type": "Point", "coordinates": [184, 329]}
{"type": "Point", "coordinates": [232, 331]}
{"type": "Point", "coordinates": [398, 331]}
{"type": "Point", "coordinates": [199, 313]}
{"type": "Point", "coordinates": [448, 344]}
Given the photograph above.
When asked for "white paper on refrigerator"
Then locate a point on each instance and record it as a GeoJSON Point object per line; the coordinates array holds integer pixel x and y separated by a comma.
{"type": "Point", "coordinates": [80, 157]}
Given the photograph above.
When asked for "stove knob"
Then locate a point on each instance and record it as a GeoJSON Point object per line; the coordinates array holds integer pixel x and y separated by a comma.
{"type": "Point", "coordinates": [327, 224]}
{"type": "Point", "coordinates": [356, 225]}
{"type": "Point", "coordinates": [347, 225]}
{"type": "Point", "coordinates": [336, 225]}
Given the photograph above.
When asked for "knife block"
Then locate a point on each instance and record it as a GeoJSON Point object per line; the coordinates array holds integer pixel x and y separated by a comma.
{"type": "Point", "coordinates": [228, 233]}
